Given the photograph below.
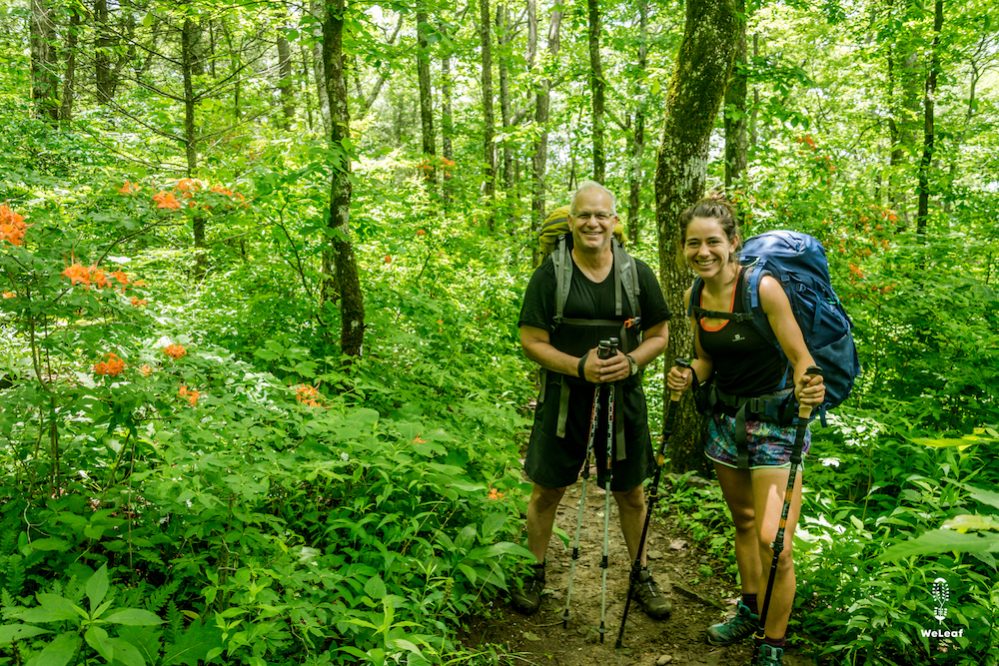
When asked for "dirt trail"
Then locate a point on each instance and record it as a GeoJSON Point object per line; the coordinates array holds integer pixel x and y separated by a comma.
{"type": "Point", "coordinates": [679, 640]}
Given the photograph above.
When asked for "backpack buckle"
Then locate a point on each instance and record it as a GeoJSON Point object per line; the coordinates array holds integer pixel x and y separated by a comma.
{"type": "Point", "coordinates": [633, 322]}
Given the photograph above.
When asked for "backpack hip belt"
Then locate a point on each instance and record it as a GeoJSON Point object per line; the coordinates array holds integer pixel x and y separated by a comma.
{"type": "Point", "coordinates": [777, 407]}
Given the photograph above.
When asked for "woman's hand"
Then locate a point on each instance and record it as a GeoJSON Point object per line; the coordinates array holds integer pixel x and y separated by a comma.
{"type": "Point", "coordinates": [810, 390]}
{"type": "Point", "coordinates": [679, 379]}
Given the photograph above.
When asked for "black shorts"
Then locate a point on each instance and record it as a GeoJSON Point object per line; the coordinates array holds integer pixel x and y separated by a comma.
{"type": "Point", "coordinates": [555, 462]}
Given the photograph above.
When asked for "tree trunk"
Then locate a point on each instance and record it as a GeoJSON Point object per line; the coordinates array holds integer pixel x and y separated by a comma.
{"type": "Point", "coordinates": [44, 77]}
{"type": "Point", "coordinates": [447, 126]}
{"type": "Point", "coordinates": [316, 9]}
{"type": "Point", "coordinates": [637, 152]}
{"type": "Point", "coordinates": [426, 98]}
{"type": "Point", "coordinates": [488, 118]}
{"type": "Point", "coordinates": [69, 78]}
{"type": "Point", "coordinates": [694, 95]}
{"type": "Point", "coordinates": [596, 90]}
{"type": "Point", "coordinates": [754, 115]}
{"type": "Point", "coordinates": [503, 38]}
{"type": "Point", "coordinates": [539, 158]}
{"type": "Point", "coordinates": [736, 139]}
{"type": "Point", "coordinates": [188, 37]}
{"type": "Point", "coordinates": [102, 58]}
{"type": "Point", "coordinates": [348, 284]}
{"type": "Point", "coordinates": [286, 81]}
{"type": "Point", "coordinates": [929, 98]}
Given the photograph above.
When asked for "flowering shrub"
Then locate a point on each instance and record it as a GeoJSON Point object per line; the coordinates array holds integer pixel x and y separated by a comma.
{"type": "Point", "coordinates": [111, 366]}
{"type": "Point", "coordinates": [175, 351]}
{"type": "Point", "coordinates": [12, 226]}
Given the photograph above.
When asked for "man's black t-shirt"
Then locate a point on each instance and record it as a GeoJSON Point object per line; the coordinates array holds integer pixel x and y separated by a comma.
{"type": "Point", "coordinates": [553, 461]}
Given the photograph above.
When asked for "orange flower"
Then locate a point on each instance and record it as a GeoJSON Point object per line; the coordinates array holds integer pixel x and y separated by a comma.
{"type": "Point", "coordinates": [187, 187]}
{"type": "Point", "coordinates": [308, 395]}
{"type": "Point", "coordinates": [446, 162]}
{"type": "Point", "coordinates": [78, 274]}
{"type": "Point", "coordinates": [9, 294]}
{"type": "Point", "coordinates": [421, 232]}
{"type": "Point", "coordinates": [419, 440]}
{"type": "Point", "coordinates": [175, 351]}
{"type": "Point", "coordinates": [224, 191]}
{"type": "Point", "coordinates": [98, 277]}
{"type": "Point", "coordinates": [855, 269]}
{"type": "Point", "coordinates": [145, 370]}
{"type": "Point", "coordinates": [139, 302]}
{"type": "Point", "coordinates": [191, 395]}
{"type": "Point", "coordinates": [138, 283]}
{"type": "Point", "coordinates": [120, 276]}
{"type": "Point", "coordinates": [111, 366]}
{"type": "Point", "coordinates": [495, 494]}
{"type": "Point", "coordinates": [388, 258]}
{"type": "Point", "coordinates": [128, 188]}
{"type": "Point", "coordinates": [12, 226]}
{"type": "Point", "coordinates": [166, 200]}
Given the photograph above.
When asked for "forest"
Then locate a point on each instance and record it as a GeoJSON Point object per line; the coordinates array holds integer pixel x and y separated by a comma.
{"type": "Point", "coordinates": [263, 395]}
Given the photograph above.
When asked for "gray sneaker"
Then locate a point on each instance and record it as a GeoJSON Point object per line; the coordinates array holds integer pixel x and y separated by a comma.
{"type": "Point", "coordinates": [646, 592]}
{"type": "Point", "coordinates": [739, 626]}
{"type": "Point", "coordinates": [526, 598]}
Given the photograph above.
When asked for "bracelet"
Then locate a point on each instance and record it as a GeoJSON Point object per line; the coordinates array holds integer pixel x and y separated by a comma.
{"type": "Point", "coordinates": [580, 367]}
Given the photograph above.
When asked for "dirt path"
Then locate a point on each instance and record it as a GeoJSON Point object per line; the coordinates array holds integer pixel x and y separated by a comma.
{"type": "Point", "coordinates": [697, 603]}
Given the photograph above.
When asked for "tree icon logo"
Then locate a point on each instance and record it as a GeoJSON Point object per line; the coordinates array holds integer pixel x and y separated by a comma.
{"type": "Point", "coordinates": [941, 593]}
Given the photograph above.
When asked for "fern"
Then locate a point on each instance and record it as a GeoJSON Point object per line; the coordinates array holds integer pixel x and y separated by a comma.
{"type": "Point", "coordinates": [174, 622]}
{"type": "Point", "coordinates": [155, 601]}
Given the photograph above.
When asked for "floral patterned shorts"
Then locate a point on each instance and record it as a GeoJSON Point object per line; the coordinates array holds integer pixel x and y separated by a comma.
{"type": "Point", "coordinates": [769, 444]}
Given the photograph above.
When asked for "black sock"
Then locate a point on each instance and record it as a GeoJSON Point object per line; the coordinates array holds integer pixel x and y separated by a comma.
{"type": "Point", "coordinates": [750, 601]}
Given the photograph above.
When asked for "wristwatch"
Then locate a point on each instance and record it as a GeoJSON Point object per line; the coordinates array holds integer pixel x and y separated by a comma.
{"type": "Point", "coordinates": [633, 363]}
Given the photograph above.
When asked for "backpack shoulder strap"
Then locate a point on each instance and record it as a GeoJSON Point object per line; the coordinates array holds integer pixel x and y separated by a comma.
{"type": "Point", "coordinates": [626, 280]}
{"type": "Point", "coordinates": [562, 263]}
{"type": "Point", "coordinates": [694, 308]}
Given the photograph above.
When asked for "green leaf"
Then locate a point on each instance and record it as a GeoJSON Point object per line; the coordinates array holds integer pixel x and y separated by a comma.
{"type": "Point", "coordinates": [984, 496]}
{"type": "Point", "coordinates": [16, 632]}
{"type": "Point", "coordinates": [942, 541]}
{"type": "Point", "coordinates": [59, 652]}
{"type": "Point", "coordinates": [971, 522]}
{"type": "Point", "coordinates": [135, 617]}
{"type": "Point", "coordinates": [46, 545]}
{"type": "Point", "coordinates": [97, 638]}
{"type": "Point", "coordinates": [97, 587]}
{"type": "Point", "coordinates": [375, 588]}
{"type": "Point", "coordinates": [127, 653]}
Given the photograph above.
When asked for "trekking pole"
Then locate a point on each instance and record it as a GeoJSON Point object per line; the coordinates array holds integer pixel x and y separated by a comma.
{"type": "Point", "coordinates": [594, 412]}
{"type": "Point", "coordinates": [609, 452]}
{"type": "Point", "coordinates": [636, 566]}
{"type": "Point", "coordinates": [804, 412]}
{"type": "Point", "coordinates": [603, 351]}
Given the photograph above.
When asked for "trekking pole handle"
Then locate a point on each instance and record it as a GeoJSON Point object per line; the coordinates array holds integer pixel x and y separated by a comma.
{"type": "Point", "coordinates": [805, 411]}
{"type": "Point", "coordinates": [679, 362]}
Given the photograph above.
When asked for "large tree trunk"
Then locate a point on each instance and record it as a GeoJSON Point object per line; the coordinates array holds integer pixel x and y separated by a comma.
{"type": "Point", "coordinates": [102, 58]}
{"type": "Point", "coordinates": [926, 162]}
{"type": "Point", "coordinates": [188, 37]}
{"type": "Point", "coordinates": [69, 77]}
{"type": "Point", "coordinates": [736, 136]}
{"type": "Point", "coordinates": [488, 117]}
{"type": "Point", "coordinates": [286, 81]}
{"type": "Point", "coordinates": [316, 9]}
{"type": "Point", "coordinates": [503, 38]}
{"type": "Point", "coordinates": [637, 139]}
{"type": "Point", "coordinates": [695, 93]}
{"type": "Point", "coordinates": [348, 284]}
{"type": "Point", "coordinates": [44, 77]}
{"type": "Point", "coordinates": [426, 98]}
{"type": "Point", "coordinates": [542, 102]}
{"type": "Point", "coordinates": [596, 90]}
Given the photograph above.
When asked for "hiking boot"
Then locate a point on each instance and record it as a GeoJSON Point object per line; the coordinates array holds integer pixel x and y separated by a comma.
{"type": "Point", "coordinates": [646, 592]}
{"type": "Point", "coordinates": [526, 599]}
{"type": "Point", "coordinates": [739, 626]}
{"type": "Point", "coordinates": [767, 655]}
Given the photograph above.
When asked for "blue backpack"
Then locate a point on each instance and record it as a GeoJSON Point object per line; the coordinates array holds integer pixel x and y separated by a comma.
{"type": "Point", "coordinates": [798, 262]}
